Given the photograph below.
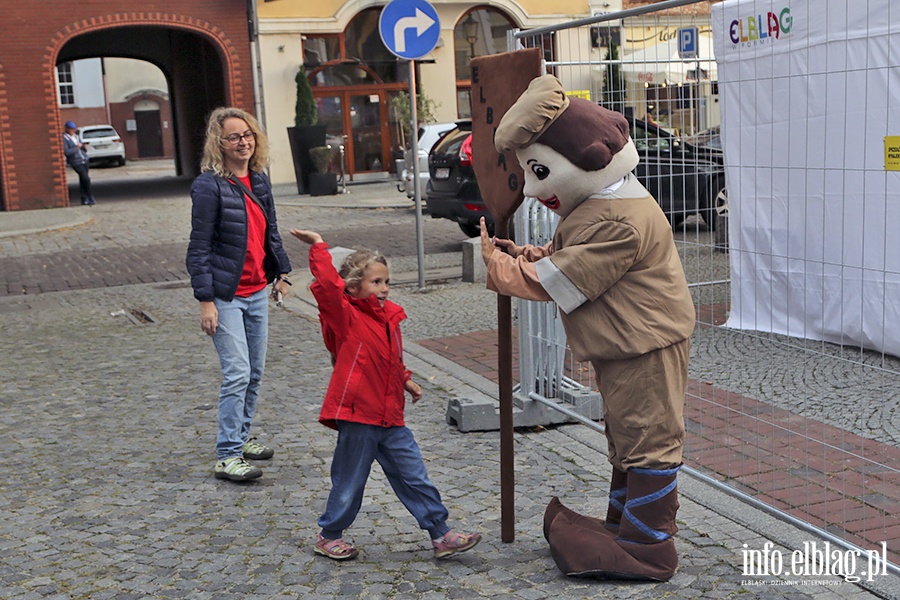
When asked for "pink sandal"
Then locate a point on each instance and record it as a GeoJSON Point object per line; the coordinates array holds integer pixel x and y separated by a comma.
{"type": "Point", "coordinates": [455, 542]}
{"type": "Point", "coordinates": [335, 549]}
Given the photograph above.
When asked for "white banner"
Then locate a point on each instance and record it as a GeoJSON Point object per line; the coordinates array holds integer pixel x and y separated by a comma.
{"type": "Point", "coordinates": [809, 89]}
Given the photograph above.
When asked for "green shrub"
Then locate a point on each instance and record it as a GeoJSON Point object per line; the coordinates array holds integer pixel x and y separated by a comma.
{"type": "Point", "coordinates": [614, 85]}
{"type": "Point", "coordinates": [322, 157]}
{"type": "Point", "coordinates": [425, 109]}
{"type": "Point", "coordinates": [306, 111]}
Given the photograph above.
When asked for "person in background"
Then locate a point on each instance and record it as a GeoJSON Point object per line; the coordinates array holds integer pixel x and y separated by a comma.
{"type": "Point", "coordinates": [235, 251]}
{"type": "Point", "coordinates": [365, 401]}
{"type": "Point", "coordinates": [76, 156]}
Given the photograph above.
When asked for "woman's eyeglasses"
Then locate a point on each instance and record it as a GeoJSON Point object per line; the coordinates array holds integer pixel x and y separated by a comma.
{"type": "Point", "coordinates": [235, 138]}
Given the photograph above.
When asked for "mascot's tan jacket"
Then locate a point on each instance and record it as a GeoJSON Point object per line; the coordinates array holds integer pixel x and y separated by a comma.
{"type": "Point", "coordinates": [617, 249]}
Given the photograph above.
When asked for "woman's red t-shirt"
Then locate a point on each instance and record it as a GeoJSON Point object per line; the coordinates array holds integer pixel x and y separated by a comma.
{"type": "Point", "coordinates": [253, 277]}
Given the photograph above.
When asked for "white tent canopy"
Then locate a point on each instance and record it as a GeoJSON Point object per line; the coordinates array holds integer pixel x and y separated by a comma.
{"type": "Point", "coordinates": [813, 208]}
{"type": "Point", "coordinates": [661, 63]}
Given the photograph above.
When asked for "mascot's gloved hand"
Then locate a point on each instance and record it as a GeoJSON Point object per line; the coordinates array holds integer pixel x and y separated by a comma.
{"type": "Point", "coordinates": [507, 275]}
{"type": "Point", "coordinates": [488, 245]}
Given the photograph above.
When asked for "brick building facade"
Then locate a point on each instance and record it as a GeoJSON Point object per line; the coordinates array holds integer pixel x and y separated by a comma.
{"type": "Point", "coordinates": [202, 46]}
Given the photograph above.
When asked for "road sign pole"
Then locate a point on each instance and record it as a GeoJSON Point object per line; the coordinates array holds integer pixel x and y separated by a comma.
{"type": "Point", "coordinates": [414, 128]}
{"type": "Point", "coordinates": [410, 29]}
{"type": "Point", "coordinates": [507, 421]}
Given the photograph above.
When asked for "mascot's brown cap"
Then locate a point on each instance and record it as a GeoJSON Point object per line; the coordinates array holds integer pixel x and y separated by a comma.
{"type": "Point", "coordinates": [532, 113]}
{"type": "Point", "coordinates": [585, 133]}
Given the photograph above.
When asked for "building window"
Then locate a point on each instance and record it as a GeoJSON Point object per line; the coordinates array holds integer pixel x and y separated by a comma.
{"type": "Point", "coordinates": [64, 84]}
{"type": "Point", "coordinates": [359, 48]}
{"type": "Point", "coordinates": [479, 33]}
{"type": "Point", "coordinates": [320, 49]}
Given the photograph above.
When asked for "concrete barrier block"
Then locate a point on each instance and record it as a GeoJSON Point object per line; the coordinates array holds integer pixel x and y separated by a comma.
{"type": "Point", "coordinates": [473, 267]}
{"type": "Point", "coordinates": [473, 414]}
{"type": "Point", "coordinates": [584, 401]}
{"type": "Point", "coordinates": [483, 413]}
{"type": "Point", "coordinates": [339, 254]}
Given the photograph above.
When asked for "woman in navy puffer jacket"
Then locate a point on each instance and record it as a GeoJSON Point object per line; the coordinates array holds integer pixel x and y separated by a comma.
{"type": "Point", "coordinates": [234, 253]}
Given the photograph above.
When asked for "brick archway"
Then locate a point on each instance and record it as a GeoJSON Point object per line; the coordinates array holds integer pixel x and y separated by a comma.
{"type": "Point", "coordinates": [206, 43]}
{"type": "Point", "coordinates": [205, 29]}
{"type": "Point", "coordinates": [7, 167]}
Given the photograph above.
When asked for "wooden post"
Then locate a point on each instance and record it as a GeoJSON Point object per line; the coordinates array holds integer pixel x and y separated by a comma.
{"type": "Point", "coordinates": [505, 385]}
{"type": "Point", "coordinates": [497, 82]}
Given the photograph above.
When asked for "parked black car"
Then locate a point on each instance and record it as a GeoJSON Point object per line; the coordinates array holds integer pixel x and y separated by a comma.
{"type": "Point", "coordinates": [711, 137]}
{"type": "Point", "coordinates": [684, 178]}
{"type": "Point", "coordinates": [452, 192]}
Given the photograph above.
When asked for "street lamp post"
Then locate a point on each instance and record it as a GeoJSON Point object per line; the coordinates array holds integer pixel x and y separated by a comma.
{"type": "Point", "coordinates": [470, 28]}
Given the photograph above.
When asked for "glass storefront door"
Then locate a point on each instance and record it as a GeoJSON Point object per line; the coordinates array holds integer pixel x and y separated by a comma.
{"type": "Point", "coordinates": [365, 121]}
{"type": "Point", "coordinates": [331, 114]}
{"type": "Point", "coordinates": [354, 95]}
{"type": "Point", "coordinates": [365, 125]}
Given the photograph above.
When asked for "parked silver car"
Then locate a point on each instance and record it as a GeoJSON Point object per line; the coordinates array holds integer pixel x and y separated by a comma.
{"type": "Point", "coordinates": [103, 144]}
{"type": "Point", "coordinates": [428, 136]}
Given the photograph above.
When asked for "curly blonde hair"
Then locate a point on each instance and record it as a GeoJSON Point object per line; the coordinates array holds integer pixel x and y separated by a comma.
{"type": "Point", "coordinates": [353, 269]}
{"type": "Point", "coordinates": [214, 159]}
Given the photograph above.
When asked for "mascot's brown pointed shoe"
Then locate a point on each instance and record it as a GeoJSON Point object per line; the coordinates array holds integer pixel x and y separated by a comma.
{"type": "Point", "coordinates": [617, 493]}
{"type": "Point", "coordinates": [644, 548]}
{"type": "Point", "coordinates": [581, 552]}
{"type": "Point", "coordinates": [555, 507]}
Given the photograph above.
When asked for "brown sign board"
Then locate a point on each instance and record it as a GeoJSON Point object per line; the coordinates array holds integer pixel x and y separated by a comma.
{"type": "Point", "coordinates": [497, 82]}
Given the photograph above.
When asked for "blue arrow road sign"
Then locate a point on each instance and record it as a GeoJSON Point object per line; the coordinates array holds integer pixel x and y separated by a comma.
{"type": "Point", "coordinates": [409, 28]}
{"type": "Point", "coordinates": [687, 42]}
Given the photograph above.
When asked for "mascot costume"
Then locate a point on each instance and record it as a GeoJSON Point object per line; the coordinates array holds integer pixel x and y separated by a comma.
{"type": "Point", "coordinates": [613, 269]}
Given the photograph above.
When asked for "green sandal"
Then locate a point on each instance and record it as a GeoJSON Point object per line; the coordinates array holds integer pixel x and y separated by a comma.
{"type": "Point", "coordinates": [335, 549]}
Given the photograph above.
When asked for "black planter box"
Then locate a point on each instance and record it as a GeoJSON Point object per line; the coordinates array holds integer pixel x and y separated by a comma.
{"type": "Point", "coordinates": [301, 140]}
{"type": "Point", "coordinates": [323, 184]}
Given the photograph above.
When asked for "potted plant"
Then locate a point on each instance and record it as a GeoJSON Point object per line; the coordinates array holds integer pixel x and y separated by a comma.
{"type": "Point", "coordinates": [425, 109]}
{"type": "Point", "coordinates": [306, 133]}
{"type": "Point", "coordinates": [323, 181]}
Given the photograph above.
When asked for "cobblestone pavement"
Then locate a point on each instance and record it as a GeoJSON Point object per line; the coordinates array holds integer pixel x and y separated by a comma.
{"type": "Point", "coordinates": [142, 240]}
{"type": "Point", "coordinates": [110, 430]}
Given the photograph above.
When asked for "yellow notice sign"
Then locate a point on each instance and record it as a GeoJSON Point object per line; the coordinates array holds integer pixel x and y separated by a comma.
{"type": "Point", "coordinates": [892, 153]}
{"type": "Point", "coordinates": [584, 94]}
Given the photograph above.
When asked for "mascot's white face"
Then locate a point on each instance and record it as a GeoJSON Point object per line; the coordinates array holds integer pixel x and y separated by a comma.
{"type": "Point", "coordinates": [555, 181]}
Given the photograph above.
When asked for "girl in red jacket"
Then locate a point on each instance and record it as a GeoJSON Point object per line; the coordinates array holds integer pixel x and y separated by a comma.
{"type": "Point", "coordinates": [365, 400]}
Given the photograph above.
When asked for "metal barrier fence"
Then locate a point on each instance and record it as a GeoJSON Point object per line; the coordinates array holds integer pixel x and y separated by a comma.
{"type": "Point", "coordinates": [805, 429]}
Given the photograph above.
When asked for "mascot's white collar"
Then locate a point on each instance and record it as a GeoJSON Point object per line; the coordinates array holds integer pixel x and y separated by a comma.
{"type": "Point", "coordinates": [613, 187]}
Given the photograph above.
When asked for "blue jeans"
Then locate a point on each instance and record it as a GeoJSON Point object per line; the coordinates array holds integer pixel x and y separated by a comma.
{"type": "Point", "coordinates": [240, 340]}
{"type": "Point", "coordinates": [396, 451]}
{"type": "Point", "coordinates": [84, 182]}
